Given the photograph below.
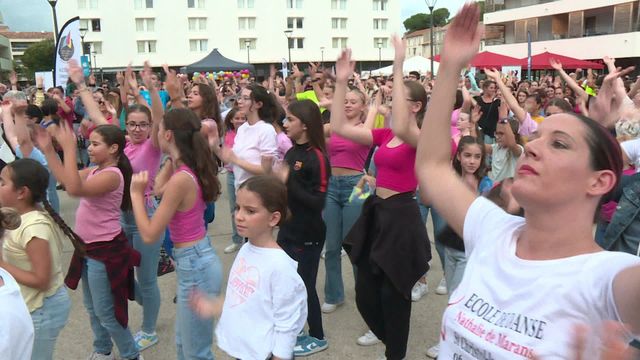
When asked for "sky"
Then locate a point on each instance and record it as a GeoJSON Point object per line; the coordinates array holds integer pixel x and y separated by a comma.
{"type": "Point", "coordinates": [35, 15]}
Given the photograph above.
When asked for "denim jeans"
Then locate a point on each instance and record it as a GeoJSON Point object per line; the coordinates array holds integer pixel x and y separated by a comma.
{"type": "Point", "coordinates": [48, 320]}
{"type": "Point", "coordinates": [98, 300]}
{"type": "Point", "coordinates": [438, 226]}
{"type": "Point", "coordinates": [198, 268]}
{"type": "Point", "coordinates": [231, 191]}
{"type": "Point", "coordinates": [147, 291]}
{"type": "Point", "coordinates": [455, 261]}
{"type": "Point", "coordinates": [339, 215]}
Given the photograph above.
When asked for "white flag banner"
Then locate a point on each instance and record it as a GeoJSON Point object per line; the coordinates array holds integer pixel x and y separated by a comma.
{"type": "Point", "coordinates": [69, 47]}
{"type": "Point", "coordinates": [285, 66]}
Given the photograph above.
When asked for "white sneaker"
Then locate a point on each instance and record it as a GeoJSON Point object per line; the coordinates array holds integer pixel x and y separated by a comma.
{"type": "Point", "coordinates": [433, 351]}
{"type": "Point", "coordinates": [324, 253]}
{"type": "Point", "coordinates": [419, 290]}
{"type": "Point", "coordinates": [368, 339]}
{"type": "Point", "coordinates": [97, 356]}
{"type": "Point", "coordinates": [442, 287]}
{"type": "Point", "coordinates": [329, 308]}
{"type": "Point", "coordinates": [232, 248]}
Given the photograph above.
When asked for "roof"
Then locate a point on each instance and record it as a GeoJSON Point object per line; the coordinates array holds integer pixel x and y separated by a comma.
{"type": "Point", "coordinates": [416, 33]}
{"type": "Point", "coordinates": [216, 62]}
{"type": "Point", "coordinates": [27, 35]}
{"type": "Point", "coordinates": [541, 61]}
{"type": "Point", "coordinates": [488, 59]}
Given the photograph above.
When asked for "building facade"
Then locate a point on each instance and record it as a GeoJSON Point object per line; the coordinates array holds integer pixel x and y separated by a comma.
{"type": "Point", "coordinates": [588, 29]}
{"type": "Point", "coordinates": [180, 32]}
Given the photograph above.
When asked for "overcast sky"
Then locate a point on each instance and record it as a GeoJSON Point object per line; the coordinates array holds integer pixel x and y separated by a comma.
{"type": "Point", "coordinates": [35, 15]}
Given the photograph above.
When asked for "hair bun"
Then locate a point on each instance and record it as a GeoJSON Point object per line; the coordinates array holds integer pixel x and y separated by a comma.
{"type": "Point", "coordinates": [9, 218]}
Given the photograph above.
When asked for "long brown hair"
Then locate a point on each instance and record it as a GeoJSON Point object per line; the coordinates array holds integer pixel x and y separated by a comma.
{"type": "Point", "coordinates": [194, 150]}
{"type": "Point", "coordinates": [112, 134]}
{"type": "Point", "coordinates": [210, 106]}
{"type": "Point", "coordinates": [309, 114]}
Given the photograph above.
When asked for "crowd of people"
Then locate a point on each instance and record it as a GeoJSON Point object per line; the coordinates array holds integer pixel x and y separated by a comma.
{"type": "Point", "coordinates": [514, 172]}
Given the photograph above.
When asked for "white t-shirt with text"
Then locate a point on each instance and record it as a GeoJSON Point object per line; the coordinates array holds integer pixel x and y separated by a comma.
{"type": "Point", "coordinates": [507, 308]}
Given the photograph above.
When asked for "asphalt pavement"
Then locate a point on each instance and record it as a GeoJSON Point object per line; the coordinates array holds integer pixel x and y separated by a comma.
{"type": "Point", "coordinates": [341, 327]}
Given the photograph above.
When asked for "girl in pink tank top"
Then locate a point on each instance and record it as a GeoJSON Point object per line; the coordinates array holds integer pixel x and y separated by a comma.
{"type": "Point", "coordinates": [186, 182]}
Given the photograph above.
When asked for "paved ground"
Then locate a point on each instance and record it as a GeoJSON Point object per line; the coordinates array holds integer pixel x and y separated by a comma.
{"type": "Point", "coordinates": [341, 327]}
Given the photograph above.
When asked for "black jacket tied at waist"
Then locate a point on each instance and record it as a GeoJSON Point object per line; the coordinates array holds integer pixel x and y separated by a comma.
{"type": "Point", "coordinates": [391, 235]}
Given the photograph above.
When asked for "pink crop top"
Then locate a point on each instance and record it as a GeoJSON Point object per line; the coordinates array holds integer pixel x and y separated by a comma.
{"type": "Point", "coordinates": [395, 165]}
{"type": "Point", "coordinates": [98, 217]}
{"type": "Point", "coordinates": [344, 153]}
{"type": "Point", "coordinates": [188, 225]}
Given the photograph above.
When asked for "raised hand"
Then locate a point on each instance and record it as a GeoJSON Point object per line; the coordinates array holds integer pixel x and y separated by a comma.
{"type": "Point", "coordinates": [555, 64]}
{"type": "Point", "coordinates": [65, 137]}
{"type": "Point", "coordinates": [172, 83]}
{"type": "Point", "coordinates": [13, 78]}
{"type": "Point", "coordinates": [272, 71]}
{"type": "Point", "coordinates": [609, 60]}
{"type": "Point", "coordinates": [400, 47]}
{"type": "Point", "coordinates": [462, 39]}
{"type": "Point", "coordinates": [139, 182]}
{"type": "Point", "coordinates": [145, 75]}
{"type": "Point", "coordinates": [76, 74]}
{"type": "Point", "coordinates": [6, 106]}
{"type": "Point", "coordinates": [493, 74]}
{"type": "Point", "coordinates": [296, 71]}
{"type": "Point", "coordinates": [344, 66]}
{"type": "Point", "coordinates": [43, 139]}
{"type": "Point", "coordinates": [120, 78]}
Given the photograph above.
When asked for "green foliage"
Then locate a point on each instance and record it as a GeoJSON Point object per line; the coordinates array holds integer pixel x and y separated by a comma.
{"type": "Point", "coordinates": [39, 57]}
{"type": "Point", "coordinates": [423, 21]}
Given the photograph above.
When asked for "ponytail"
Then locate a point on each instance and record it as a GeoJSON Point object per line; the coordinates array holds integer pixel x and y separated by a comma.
{"type": "Point", "coordinates": [112, 134]}
{"type": "Point", "coordinates": [77, 243]}
{"type": "Point", "coordinates": [127, 171]}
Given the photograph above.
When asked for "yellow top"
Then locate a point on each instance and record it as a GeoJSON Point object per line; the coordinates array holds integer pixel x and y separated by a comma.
{"type": "Point", "coordinates": [537, 119]}
{"type": "Point", "coordinates": [310, 95]}
{"type": "Point", "coordinates": [14, 251]}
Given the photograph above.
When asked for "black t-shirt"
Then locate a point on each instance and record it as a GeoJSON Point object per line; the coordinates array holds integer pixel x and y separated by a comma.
{"type": "Point", "coordinates": [489, 118]}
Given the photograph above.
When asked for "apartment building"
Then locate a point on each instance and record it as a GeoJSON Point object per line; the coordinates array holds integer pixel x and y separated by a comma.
{"type": "Point", "coordinates": [180, 32]}
{"type": "Point", "coordinates": [587, 29]}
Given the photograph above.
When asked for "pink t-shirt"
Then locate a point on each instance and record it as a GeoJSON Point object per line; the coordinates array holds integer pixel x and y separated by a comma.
{"type": "Point", "coordinates": [188, 225]}
{"type": "Point", "coordinates": [455, 132]}
{"type": "Point", "coordinates": [344, 153]}
{"type": "Point", "coordinates": [98, 218]}
{"type": "Point", "coordinates": [144, 157]}
{"type": "Point", "coordinates": [395, 165]}
{"type": "Point", "coordinates": [229, 139]}
{"type": "Point", "coordinates": [284, 144]}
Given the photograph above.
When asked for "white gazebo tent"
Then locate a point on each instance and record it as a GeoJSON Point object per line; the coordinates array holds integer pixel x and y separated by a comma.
{"type": "Point", "coordinates": [416, 63]}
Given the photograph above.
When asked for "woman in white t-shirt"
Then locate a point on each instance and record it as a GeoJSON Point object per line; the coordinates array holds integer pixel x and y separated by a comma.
{"type": "Point", "coordinates": [529, 280]}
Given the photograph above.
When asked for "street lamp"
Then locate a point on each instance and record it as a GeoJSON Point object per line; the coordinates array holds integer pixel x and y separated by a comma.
{"type": "Point", "coordinates": [55, 19]}
{"type": "Point", "coordinates": [431, 4]}
{"type": "Point", "coordinates": [379, 54]}
{"type": "Point", "coordinates": [288, 33]}
{"type": "Point", "coordinates": [83, 33]}
{"type": "Point", "coordinates": [247, 43]}
{"type": "Point", "coordinates": [321, 55]}
{"type": "Point", "coordinates": [94, 65]}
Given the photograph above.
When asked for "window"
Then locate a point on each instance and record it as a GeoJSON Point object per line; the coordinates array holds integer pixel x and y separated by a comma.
{"type": "Point", "coordinates": [338, 23]}
{"type": "Point", "coordinates": [294, 4]}
{"type": "Point", "coordinates": [93, 4]}
{"type": "Point", "coordinates": [95, 25]}
{"type": "Point", "coordinates": [381, 42]}
{"type": "Point", "coordinates": [143, 4]}
{"type": "Point", "coordinates": [248, 4]}
{"type": "Point", "coordinates": [338, 4]}
{"type": "Point", "coordinates": [94, 47]}
{"type": "Point", "coordinates": [380, 5]}
{"type": "Point", "coordinates": [296, 43]}
{"type": "Point", "coordinates": [197, 24]}
{"type": "Point", "coordinates": [146, 46]}
{"type": "Point", "coordinates": [379, 24]}
{"type": "Point", "coordinates": [82, 4]}
{"type": "Point", "coordinates": [339, 42]}
{"type": "Point", "coordinates": [294, 23]}
{"type": "Point", "coordinates": [246, 23]}
{"type": "Point", "coordinates": [145, 24]}
{"type": "Point", "coordinates": [198, 45]}
{"type": "Point", "coordinates": [243, 43]}
{"type": "Point", "coordinates": [195, 4]}
{"type": "Point", "coordinates": [84, 24]}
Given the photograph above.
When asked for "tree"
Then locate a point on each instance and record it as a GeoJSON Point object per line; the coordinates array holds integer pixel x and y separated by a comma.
{"type": "Point", "coordinates": [423, 21]}
{"type": "Point", "coordinates": [39, 57]}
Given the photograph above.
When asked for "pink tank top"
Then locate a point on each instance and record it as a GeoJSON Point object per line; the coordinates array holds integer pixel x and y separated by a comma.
{"type": "Point", "coordinates": [347, 154]}
{"type": "Point", "coordinates": [98, 218]}
{"type": "Point", "coordinates": [188, 225]}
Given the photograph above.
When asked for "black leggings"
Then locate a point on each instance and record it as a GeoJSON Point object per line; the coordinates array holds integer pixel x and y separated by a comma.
{"type": "Point", "coordinates": [308, 258]}
{"type": "Point", "coordinates": [384, 309]}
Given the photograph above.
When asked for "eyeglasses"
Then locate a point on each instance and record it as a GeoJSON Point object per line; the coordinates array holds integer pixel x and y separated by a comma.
{"type": "Point", "coordinates": [244, 98]}
{"type": "Point", "coordinates": [133, 126]}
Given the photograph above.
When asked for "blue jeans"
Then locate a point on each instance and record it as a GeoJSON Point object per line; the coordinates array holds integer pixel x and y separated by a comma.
{"type": "Point", "coordinates": [147, 291]}
{"type": "Point", "coordinates": [98, 300]}
{"type": "Point", "coordinates": [231, 191]}
{"type": "Point", "coordinates": [48, 320]}
{"type": "Point", "coordinates": [339, 215]}
{"type": "Point", "coordinates": [455, 262]}
{"type": "Point", "coordinates": [438, 225]}
{"type": "Point", "coordinates": [198, 267]}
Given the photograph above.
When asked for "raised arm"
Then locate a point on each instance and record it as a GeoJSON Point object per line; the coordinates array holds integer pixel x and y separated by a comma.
{"type": "Point", "coordinates": [9, 126]}
{"type": "Point", "coordinates": [511, 101]}
{"type": "Point", "coordinates": [441, 185]}
{"type": "Point", "coordinates": [402, 125]}
{"type": "Point", "coordinates": [174, 87]}
{"type": "Point", "coordinates": [92, 110]}
{"type": "Point", "coordinates": [157, 110]}
{"type": "Point", "coordinates": [577, 89]}
{"type": "Point", "coordinates": [339, 125]}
